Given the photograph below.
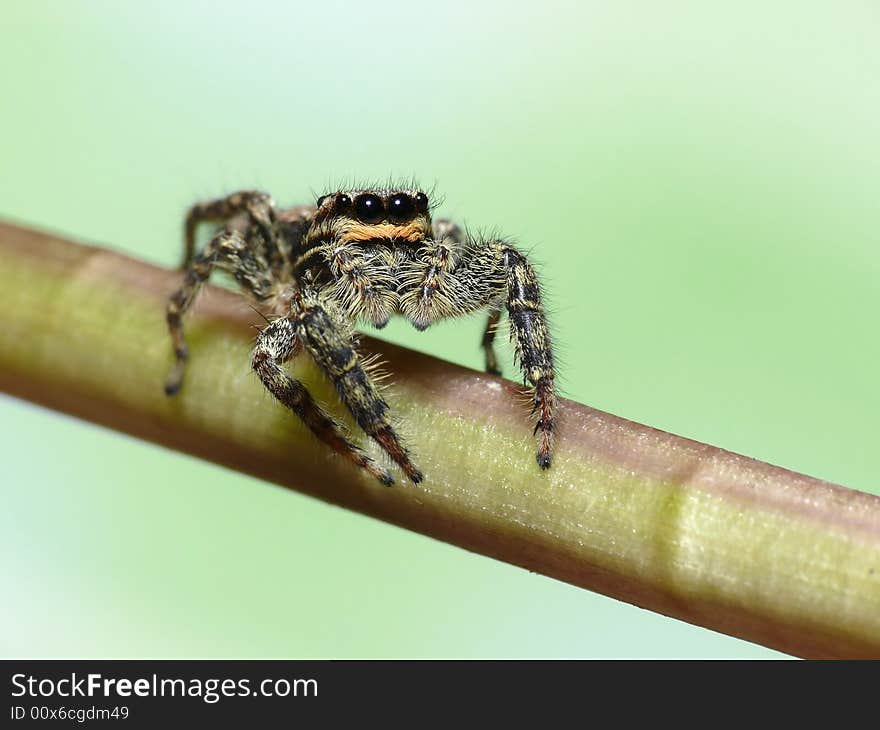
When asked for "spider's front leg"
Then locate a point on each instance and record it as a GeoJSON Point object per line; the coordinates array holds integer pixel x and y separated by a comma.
{"type": "Point", "coordinates": [277, 344]}
{"type": "Point", "coordinates": [450, 282]}
{"type": "Point", "coordinates": [332, 349]}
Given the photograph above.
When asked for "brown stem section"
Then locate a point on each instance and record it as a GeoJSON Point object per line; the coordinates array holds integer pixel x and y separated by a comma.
{"type": "Point", "coordinates": [675, 526]}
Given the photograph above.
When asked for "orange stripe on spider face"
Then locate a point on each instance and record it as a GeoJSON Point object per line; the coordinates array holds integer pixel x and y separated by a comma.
{"type": "Point", "coordinates": [413, 232]}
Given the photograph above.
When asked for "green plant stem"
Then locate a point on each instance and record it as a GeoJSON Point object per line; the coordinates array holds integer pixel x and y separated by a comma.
{"type": "Point", "coordinates": [674, 526]}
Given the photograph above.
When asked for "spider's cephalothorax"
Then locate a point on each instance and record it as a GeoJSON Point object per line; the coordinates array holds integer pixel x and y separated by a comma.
{"type": "Point", "coordinates": [362, 255]}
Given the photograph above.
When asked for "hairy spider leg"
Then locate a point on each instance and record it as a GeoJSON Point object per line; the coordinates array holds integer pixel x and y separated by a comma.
{"type": "Point", "coordinates": [486, 343]}
{"type": "Point", "coordinates": [334, 353]}
{"type": "Point", "coordinates": [277, 344]}
{"type": "Point", "coordinates": [256, 204]}
{"type": "Point", "coordinates": [227, 251]}
{"type": "Point", "coordinates": [528, 330]}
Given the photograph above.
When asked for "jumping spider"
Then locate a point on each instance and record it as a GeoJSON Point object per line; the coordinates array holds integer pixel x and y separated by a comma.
{"type": "Point", "coordinates": [361, 255]}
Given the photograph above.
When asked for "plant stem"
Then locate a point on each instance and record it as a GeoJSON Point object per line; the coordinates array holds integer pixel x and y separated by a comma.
{"type": "Point", "coordinates": [674, 526]}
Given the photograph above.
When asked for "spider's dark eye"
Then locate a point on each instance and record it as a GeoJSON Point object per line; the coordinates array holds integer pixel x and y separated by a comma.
{"type": "Point", "coordinates": [421, 202]}
{"type": "Point", "coordinates": [343, 201]}
{"type": "Point", "coordinates": [322, 200]}
{"type": "Point", "coordinates": [400, 207]}
{"type": "Point", "coordinates": [369, 208]}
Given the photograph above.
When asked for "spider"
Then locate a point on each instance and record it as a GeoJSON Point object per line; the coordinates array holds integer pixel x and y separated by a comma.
{"type": "Point", "coordinates": [361, 255]}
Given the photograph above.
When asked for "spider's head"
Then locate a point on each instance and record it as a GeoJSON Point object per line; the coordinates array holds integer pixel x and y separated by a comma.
{"type": "Point", "coordinates": [376, 215]}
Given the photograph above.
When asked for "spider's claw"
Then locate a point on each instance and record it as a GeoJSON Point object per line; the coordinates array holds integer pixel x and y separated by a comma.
{"type": "Point", "coordinates": [371, 467]}
{"type": "Point", "coordinates": [415, 476]}
{"type": "Point", "coordinates": [389, 442]}
{"type": "Point", "coordinates": [384, 477]}
{"type": "Point", "coordinates": [544, 404]}
{"type": "Point", "coordinates": [175, 379]}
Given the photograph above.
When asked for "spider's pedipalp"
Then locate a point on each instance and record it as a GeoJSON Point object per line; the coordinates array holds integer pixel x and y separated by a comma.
{"type": "Point", "coordinates": [424, 299]}
{"type": "Point", "coordinates": [363, 285]}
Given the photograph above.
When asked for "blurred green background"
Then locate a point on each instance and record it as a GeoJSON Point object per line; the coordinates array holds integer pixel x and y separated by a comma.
{"type": "Point", "coordinates": [697, 180]}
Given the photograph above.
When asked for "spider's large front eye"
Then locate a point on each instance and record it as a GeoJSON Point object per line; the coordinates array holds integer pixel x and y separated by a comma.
{"type": "Point", "coordinates": [369, 208]}
{"type": "Point", "coordinates": [400, 207]}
